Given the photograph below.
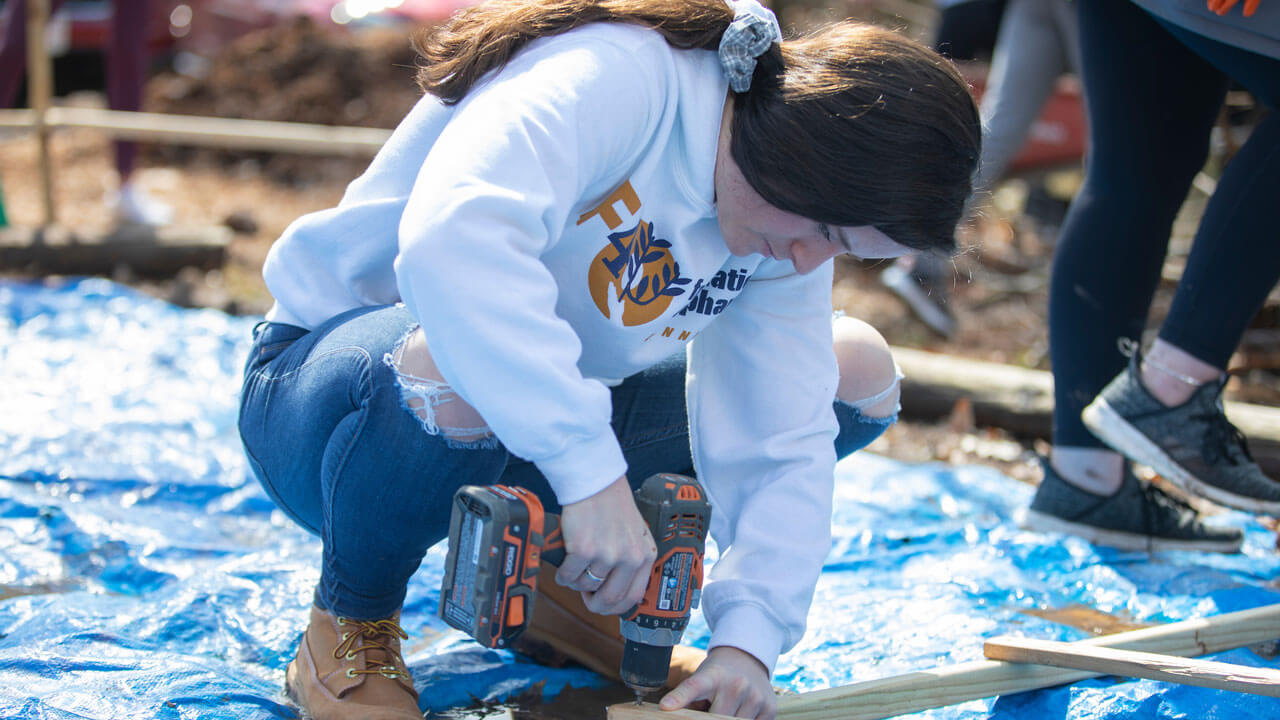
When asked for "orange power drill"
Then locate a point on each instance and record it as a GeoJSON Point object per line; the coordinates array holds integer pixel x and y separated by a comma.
{"type": "Point", "coordinates": [499, 534]}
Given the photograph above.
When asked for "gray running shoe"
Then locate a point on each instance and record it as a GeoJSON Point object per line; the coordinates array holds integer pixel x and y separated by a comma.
{"type": "Point", "coordinates": [1192, 445]}
{"type": "Point", "coordinates": [922, 283]}
{"type": "Point", "coordinates": [1137, 517]}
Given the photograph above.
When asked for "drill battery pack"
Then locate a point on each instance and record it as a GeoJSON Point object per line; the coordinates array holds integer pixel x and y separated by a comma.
{"type": "Point", "coordinates": [496, 538]}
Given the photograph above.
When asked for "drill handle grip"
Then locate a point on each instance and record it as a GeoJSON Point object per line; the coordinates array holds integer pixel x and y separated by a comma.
{"type": "Point", "coordinates": [553, 549]}
{"type": "Point", "coordinates": [552, 540]}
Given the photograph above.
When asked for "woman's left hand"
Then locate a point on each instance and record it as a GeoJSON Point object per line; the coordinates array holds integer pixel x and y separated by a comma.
{"type": "Point", "coordinates": [731, 682]}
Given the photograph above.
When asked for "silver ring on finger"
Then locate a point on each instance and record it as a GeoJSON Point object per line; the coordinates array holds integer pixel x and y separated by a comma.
{"type": "Point", "coordinates": [593, 576]}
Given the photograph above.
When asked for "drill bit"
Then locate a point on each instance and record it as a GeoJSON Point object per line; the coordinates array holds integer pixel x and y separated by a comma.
{"type": "Point", "coordinates": [640, 696]}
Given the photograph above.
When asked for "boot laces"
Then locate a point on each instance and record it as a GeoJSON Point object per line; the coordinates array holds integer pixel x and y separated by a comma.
{"type": "Point", "coordinates": [368, 635]}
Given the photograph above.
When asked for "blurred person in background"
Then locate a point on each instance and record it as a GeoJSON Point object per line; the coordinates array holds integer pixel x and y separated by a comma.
{"type": "Point", "coordinates": [967, 28]}
{"type": "Point", "coordinates": [1156, 73]}
{"type": "Point", "coordinates": [126, 72]}
{"type": "Point", "coordinates": [1038, 41]}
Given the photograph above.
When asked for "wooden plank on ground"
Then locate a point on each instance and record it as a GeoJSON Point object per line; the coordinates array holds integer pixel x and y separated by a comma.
{"type": "Point", "coordinates": [147, 251]}
{"type": "Point", "coordinates": [913, 692]}
{"type": "Point", "coordinates": [948, 685]}
{"type": "Point", "coordinates": [1130, 663]}
{"type": "Point", "coordinates": [650, 711]}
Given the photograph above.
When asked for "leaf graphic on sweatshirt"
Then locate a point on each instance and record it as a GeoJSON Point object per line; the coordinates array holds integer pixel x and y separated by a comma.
{"type": "Point", "coordinates": [639, 270]}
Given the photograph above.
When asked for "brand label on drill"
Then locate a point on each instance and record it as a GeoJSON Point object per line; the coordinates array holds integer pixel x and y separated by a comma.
{"type": "Point", "coordinates": [459, 610]}
{"type": "Point", "coordinates": [672, 595]}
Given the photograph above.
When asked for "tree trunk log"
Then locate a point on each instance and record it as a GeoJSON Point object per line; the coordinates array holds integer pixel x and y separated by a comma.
{"type": "Point", "coordinates": [1021, 400]}
{"type": "Point", "coordinates": [154, 252]}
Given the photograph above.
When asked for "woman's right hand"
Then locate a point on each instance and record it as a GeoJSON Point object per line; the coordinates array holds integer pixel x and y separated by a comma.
{"type": "Point", "coordinates": [606, 535]}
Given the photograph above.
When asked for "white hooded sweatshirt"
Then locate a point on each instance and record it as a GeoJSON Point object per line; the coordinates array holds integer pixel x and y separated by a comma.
{"type": "Point", "coordinates": [556, 232]}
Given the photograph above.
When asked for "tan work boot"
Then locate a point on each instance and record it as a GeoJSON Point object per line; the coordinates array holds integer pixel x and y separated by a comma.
{"type": "Point", "coordinates": [352, 669]}
{"type": "Point", "coordinates": [562, 629]}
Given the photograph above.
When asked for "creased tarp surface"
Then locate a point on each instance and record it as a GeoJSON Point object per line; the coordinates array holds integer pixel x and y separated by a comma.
{"type": "Point", "coordinates": [143, 573]}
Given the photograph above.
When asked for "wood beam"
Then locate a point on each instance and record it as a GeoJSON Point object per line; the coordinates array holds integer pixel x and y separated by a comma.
{"type": "Point", "coordinates": [40, 92]}
{"type": "Point", "coordinates": [948, 685]}
{"type": "Point", "coordinates": [198, 130]}
{"type": "Point", "coordinates": [1130, 663]}
{"type": "Point", "coordinates": [650, 711]}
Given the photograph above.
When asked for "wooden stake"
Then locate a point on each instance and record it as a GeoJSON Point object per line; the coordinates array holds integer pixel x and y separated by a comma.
{"type": "Point", "coordinates": [1129, 663]}
{"type": "Point", "coordinates": [40, 90]}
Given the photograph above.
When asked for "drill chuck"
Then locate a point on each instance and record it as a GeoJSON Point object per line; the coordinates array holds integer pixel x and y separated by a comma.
{"type": "Point", "coordinates": [645, 667]}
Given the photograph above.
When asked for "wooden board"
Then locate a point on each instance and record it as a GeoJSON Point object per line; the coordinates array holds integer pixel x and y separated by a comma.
{"type": "Point", "coordinates": [1130, 663]}
{"type": "Point", "coordinates": [650, 711]}
{"type": "Point", "coordinates": [899, 695]}
{"type": "Point", "coordinates": [234, 133]}
{"type": "Point", "coordinates": [902, 694]}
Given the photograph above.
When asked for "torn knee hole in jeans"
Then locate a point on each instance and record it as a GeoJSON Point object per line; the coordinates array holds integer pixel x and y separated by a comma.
{"type": "Point", "coordinates": [861, 405]}
{"type": "Point", "coordinates": [433, 401]}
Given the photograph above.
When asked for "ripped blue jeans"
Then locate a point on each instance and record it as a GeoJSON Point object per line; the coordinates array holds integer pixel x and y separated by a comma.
{"type": "Point", "coordinates": [325, 427]}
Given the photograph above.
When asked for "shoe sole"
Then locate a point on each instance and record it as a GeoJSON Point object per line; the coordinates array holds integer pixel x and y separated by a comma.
{"type": "Point", "coordinates": [1111, 427]}
{"type": "Point", "coordinates": [1040, 522]}
{"type": "Point", "coordinates": [293, 695]}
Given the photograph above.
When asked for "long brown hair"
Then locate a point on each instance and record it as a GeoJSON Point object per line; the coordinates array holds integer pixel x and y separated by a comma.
{"type": "Point", "coordinates": [850, 124]}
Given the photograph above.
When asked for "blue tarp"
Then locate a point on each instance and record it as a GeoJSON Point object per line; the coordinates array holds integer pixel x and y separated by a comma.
{"type": "Point", "coordinates": [143, 573]}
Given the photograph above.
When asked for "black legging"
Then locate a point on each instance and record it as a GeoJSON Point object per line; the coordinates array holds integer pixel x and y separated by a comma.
{"type": "Point", "coordinates": [967, 30]}
{"type": "Point", "coordinates": [1152, 93]}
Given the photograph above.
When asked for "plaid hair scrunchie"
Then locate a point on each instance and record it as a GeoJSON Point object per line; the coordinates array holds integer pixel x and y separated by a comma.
{"type": "Point", "coordinates": [753, 30]}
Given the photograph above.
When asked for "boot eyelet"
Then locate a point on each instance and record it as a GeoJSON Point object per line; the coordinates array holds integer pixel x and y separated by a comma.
{"type": "Point", "coordinates": [351, 656]}
{"type": "Point", "coordinates": [351, 672]}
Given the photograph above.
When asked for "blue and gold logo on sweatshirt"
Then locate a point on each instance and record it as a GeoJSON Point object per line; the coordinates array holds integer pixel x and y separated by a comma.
{"type": "Point", "coordinates": [635, 277]}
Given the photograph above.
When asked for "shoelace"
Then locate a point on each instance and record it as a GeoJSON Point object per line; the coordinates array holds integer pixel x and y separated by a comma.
{"type": "Point", "coordinates": [1220, 438]}
{"type": "Point", "coordinates": [1154, 498]}
{"type": "Point", "coordinates": [367, 632]}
